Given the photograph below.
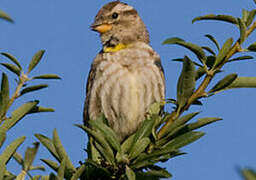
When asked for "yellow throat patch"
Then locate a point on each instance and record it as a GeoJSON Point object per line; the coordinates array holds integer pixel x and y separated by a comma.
{"type": "Point", "coordinates": [116, 48]}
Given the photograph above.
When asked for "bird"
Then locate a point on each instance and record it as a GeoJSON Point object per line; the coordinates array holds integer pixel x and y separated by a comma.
{"type": "Point", "coordinates": [126, 76]}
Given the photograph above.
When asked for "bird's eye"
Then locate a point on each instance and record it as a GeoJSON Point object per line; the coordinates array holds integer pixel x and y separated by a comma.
{"type": "Point", "coordinates": [114, 15]}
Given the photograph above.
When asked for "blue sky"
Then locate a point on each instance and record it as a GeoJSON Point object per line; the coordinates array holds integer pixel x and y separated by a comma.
{"type": "Point", "coordinates": [61, 27]}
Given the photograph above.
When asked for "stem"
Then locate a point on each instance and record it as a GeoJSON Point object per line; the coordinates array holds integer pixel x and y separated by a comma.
{"type": "Point", "coordinates": [22, 175]}
{"type": "Point", "coordinates": [22, 80]}
{"type": "Point", "coordinates": [200, 92]}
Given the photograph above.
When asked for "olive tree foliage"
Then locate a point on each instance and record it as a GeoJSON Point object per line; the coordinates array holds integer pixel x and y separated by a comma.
{"type": "Point", "coordinates": [160, 137]}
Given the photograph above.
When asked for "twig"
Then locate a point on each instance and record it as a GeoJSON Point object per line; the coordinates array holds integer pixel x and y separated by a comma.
{"type": "Point", "coordinates": [22, 80]}
{"type": "Point", "coordinates": [200, 92]}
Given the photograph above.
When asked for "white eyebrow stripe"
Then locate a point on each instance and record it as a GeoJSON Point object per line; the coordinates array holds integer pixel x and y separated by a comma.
{"type": "Point", "coordinates": [121, 7]}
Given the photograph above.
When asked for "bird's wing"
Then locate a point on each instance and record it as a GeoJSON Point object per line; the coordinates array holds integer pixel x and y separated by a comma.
{"type": "Point", "coordinates": [90, 81]}
{"type": "Point", "coordinates": [158, 63]}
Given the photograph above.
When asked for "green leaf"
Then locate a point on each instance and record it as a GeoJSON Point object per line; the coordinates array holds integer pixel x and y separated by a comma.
{"type": "Point", "coordinates": [51, 164]}
{"type": "Point", "coordinates": [186, 82]}
{"type": "Point", "coordinates": [18, 158]}
{"type": "Point", "coordinates": [35, 60]}
{"type": "Point", "coordinates": [21, 176]}
{"type": "Point", "coordinates": [5, 16]}
{"type": "Point", "coordinates": [210, 61]}
{"type": "Point", "coordinates": [144, 131]}
{"type": "Point", "coordinates": [172, 101]}
{"type": "Point", "coordinates": [139, 147]}
{"type": "Point", "coordinates": [251, 17]}
{"type": "Point", "coordinates": [11, 149]}
{"type": "Point", "coordinates": [61, 169]}
{"type": "Point", "coordinates": [4, 95]}
{"type": "Point", "coordinates": [9, 175]}
{"type": "Point", "coordinates": [157, 173]}
{"type": "Point", "coordinates": [252, 47]}
{"type": "Point", "coordinates": [248, 174]}
{"type": "Point", "coordinates": [2, 136]}
{"type": "Point", "coordinates": [50, 177]}
{"type": "Point", "coordinates": [39, 109]}
{"type": "Point", "coordinates": [142, 164]}
{"type": "Point", "coordinates": [241, 58]}
{"type": "Point", "coordinates": [223, 52]}
{"type": "Point", "coordinates": [79, 172]}
{"type": "Point", "coordinates": [47, 142]}
{"type": "Point", "coordinates": [93, 152]}
{"type": "Point", "coordinates": [102, 171]}
{"type": "Point", "coordinates": [225, 82]}
{"type": "Point", "coordinates": [38, 177]}
{"type": "Point", "coordinates": [47, 76]}
{"type": "Point", "coordinates": [2, 170]}
{"type": "Point", "coordinates": [146, 160]}
{"type": "Point", "coordinates": [192, 47]}
{"type": "Point", "coordinates": [41, 168]}
{"type": "Point", "coordinates": [209, 50]}
{"type": "Point", "coordinates": [18, 114]}
{"type": "Point", "coordinates": [30, 155]}
{"type": "Point", "coordinates": [245, 14]}
{"type": "Point", "coordinates": [183, 140]}
{"type": "Point", "coordinates": [242, 28]}
{"type": "Point", "coordinates": [61, 151]}
{"type": "Point", "coordinates": [16, 70]}
{"type": "Point", "coordinates": [213, 40]}
{"type": "Point", "coordinates": [33, 88]}
{"type": "Point", "coordinates": [107, 155]}
{"type": "Point", "coordinates": [182, 60]}
{"type": "Point", "coordinates": [158, 120]}
{"type": "Point", "coordinates": [21, 111]}
{"type": "Point", "coordinates": [197, 102]}
{"type": "Point", "coordinates": [155, 108]}
{"type": "Point", "coordinates": [225, 18]}
{"type": "Point", "coordinates": [201, 122]}
{"type": "Point", "coordinates": [178, 122]}
{"type": "Point", "coordinates": [108, 134]}
{"type": "Point", "coordinates": [122, 158]}
{"type": "Point", "coordinates": [130, 173]}
{"type": "Point", "coordinates": [107, 151]}
{"type": "Point", "coordinates": [173, 40]}
{"type": "Point", "coordinates": [182, 120]}
{"type": "Point", "coordinates": [12, 58]}
{"type": "Point", "coordinates": [199, 73]}
{"type": "Point", "coordinates": [244, 82]}
{"type": "Point", "coordinates": [126, 145]}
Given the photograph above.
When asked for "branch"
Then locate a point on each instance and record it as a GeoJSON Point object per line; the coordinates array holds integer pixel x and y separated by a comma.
{"type": "Point", "coordinates": [200, 92]}
{"type": "Point", "coordinates": [22, 80]}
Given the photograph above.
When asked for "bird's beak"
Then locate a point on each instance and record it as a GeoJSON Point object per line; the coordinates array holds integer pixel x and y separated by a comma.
{"type": "Point", "coordinates": [101, 28]}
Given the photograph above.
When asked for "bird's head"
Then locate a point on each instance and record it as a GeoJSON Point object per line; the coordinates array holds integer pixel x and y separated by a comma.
{"type": "Point", "coordinates": [119, 24]}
